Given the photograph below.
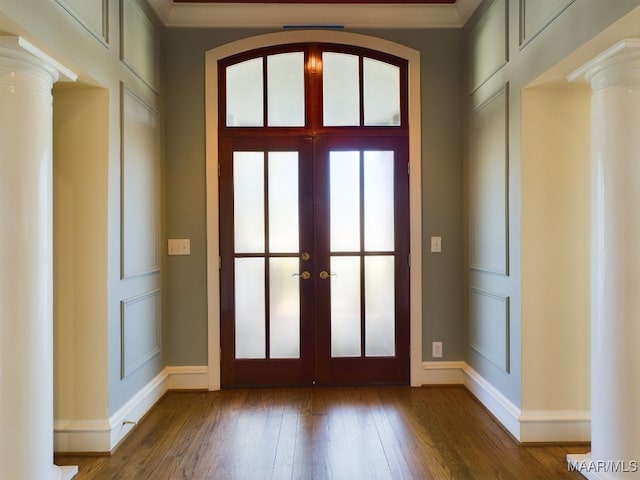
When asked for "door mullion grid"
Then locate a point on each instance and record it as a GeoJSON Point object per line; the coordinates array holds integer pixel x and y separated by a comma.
{"type": "Point", "coordinates": [265, 99]}
{"type": "Point", "coordinates": [267, 263]}
{"type": "Point", "coordinates": [361, 89]}
{"type": "Point", "coordinates": [362, 252]}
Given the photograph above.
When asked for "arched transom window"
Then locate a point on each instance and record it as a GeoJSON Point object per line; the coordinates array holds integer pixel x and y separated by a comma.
{"type": "Point", "coordinates": [314, 87]}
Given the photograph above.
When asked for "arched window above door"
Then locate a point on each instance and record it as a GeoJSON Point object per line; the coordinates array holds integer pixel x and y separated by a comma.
{"type": "Point", "coordinates": [315, 86]}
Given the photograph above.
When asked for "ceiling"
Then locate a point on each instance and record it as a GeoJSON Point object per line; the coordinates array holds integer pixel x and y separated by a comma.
{"type": "Point", "coordinates": [315, 13]}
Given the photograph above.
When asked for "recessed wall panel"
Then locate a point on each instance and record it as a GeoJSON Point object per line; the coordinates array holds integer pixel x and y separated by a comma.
{"type": "Point", "coordinates": [536, 15]}
{"type": "Point", "coordinates": [140, 189]}
{"type": "Point", "coordinates": [91, 14]}
{"type": "Point", "coordinates": [489, 50]}
{"type": "Point", "coordinates": [489, 326]}
{"type": "Point", "coordinates": [139, 43]}
{"type": "Point", "coordinates": [488, 185]}
{"type": "Point", "coordinates": [140, 330]}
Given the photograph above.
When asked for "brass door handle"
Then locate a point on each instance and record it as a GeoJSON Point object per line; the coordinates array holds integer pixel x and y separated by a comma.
{"type": "Point", "coordinates": [304, 275]}
{"type": "Point", "coordinates": [324, 274]}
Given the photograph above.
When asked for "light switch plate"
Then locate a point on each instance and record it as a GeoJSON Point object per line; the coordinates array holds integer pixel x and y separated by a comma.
{"type": "Point", "coordinates": [436, 244]}
{"type": "Point", "coordinates": [179, 246]}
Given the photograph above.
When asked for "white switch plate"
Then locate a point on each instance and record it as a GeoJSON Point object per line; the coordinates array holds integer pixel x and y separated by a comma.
{"type": "Point", "coordinates": [436, 349]}
{"type": "Point", "coordinates": [436, 244]}
{"type": "Point", "coordinates": [179, 246]}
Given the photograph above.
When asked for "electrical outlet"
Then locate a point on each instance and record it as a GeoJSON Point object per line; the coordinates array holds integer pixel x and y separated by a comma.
{"type": "Point", "coordinates": [436, 349]}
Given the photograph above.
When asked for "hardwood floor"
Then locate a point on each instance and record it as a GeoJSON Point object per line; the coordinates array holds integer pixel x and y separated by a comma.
{"type": "Point", "coordinates": [323, 433]}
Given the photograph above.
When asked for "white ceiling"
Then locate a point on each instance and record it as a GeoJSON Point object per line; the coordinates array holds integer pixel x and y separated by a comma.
{"type": "Point", "coordinates": [260, 15]}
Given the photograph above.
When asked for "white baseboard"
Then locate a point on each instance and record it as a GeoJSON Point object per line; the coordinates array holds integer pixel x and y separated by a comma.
{"type": "Point", "coordinates": [188, 378]}
{"type": "Point", "coordinates": [443, 373]}
{"type": "Point", "coordinates": [103, 435]}
{"type": "Point", "coordinates": [555, 426]}
{"type": "Point", "coordinates": [528, 426]}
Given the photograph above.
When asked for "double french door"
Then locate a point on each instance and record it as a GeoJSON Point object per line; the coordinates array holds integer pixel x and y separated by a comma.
{"type": "Point", "coordinates": [314, 260]}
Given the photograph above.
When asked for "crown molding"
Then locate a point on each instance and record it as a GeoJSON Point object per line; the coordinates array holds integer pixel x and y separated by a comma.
{"type": "Point", "coordinates": [277, 15]}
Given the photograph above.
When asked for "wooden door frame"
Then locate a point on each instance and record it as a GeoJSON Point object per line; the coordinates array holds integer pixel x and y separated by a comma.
{"type": "Point", "coordinates": [415, 180]}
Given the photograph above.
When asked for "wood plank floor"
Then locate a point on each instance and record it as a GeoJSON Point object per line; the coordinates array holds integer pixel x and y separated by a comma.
{"type": "Point", "coordinates": [323, 433]}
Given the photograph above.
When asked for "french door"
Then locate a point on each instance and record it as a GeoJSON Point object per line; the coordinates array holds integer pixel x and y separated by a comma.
{"type": "Point", "coordinates": [314, 261]}
{"type": "Point", "coordinates": [314, 264]}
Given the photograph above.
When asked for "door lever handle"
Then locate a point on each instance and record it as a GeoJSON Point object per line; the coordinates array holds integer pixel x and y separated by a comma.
{"type": "Point", "coordinates": [304, 275]}
{"type": "Point", "coordinates": [324, 274]}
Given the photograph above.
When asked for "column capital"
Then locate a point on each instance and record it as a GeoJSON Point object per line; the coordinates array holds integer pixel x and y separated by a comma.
{"type": "Point", "coordinates": [20, 50]}
{"type": "Point", "coordinates": [619, 64]}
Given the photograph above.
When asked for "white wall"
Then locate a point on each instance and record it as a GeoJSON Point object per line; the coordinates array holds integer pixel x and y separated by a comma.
{"type": "Point", "coordinates": [108, 158]}
{"type": "Point", "coordinates": [556, 248]}
{"type": "Point", "coordinates": [80, 252]}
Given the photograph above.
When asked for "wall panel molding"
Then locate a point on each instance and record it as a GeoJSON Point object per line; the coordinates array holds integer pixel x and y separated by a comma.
{"type": "Point", "coordinates": [138, 37]}
{"type": "Point", "coordinates": [140, 186]}
{"type": "Point", "coordinates": [490, 45]}
{"type": "Point", "coordinates": [489, 184]}
{"type": "Point", "coordinates": [93, 15]}
{"type": "Point", "coordinates": [489, 326]}
{"type": "Point", "coordinates": [535, 16]}
{"type": "Point", "coordinates": [140, 330]}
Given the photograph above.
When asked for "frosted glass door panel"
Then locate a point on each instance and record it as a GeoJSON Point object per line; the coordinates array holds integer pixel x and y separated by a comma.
{"type": "Point", "coordinates": [344, 201]}
{"type": "Point", "coordinates": [284, 233]}
{"type": "Point", "coordinates": [345, 307]}
{"type": "Point", "coordinates": [340, 89]}
{"type": "Point", "coordinates": [381, 93]}
{"type": "Point", "coordinates": [250, 308]}
{"type": "Point", "coordinates": [378, 201]}
{"type": "Point", "coordinates": [245, 94]}
{"type": "Point", "coordinates": [285, 89]}
{"type": "Point", "coordinates": [379, 306]}
{"type": "Point", "coordinates": [284, 308]}
{"type": "Point", "coordinates": [248, 201]}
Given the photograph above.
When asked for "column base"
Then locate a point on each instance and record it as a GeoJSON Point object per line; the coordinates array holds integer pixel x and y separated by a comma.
{"type": "Point", "coordinates": [67, 473]}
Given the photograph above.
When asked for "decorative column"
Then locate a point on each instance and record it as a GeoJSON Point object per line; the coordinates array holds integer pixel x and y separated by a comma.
{"type": "Point", "coordinates": [26, 262]}
{"type": "Point", "coordinates": [615, 261]}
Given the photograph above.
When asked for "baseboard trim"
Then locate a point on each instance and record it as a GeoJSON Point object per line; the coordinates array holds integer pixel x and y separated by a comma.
{"type": "Point", "coordinates": [443, 373]}
{"type": "Point", "coordinates": [102, 436]}
{"type": "Point", "coordinates": [526, 426]}
{"type": "Point", "coordinates": [556, 426]}
{"type": "Point", "coordinates": [505, 411]}
{"type": "Point", "coordinates": [187, 378]}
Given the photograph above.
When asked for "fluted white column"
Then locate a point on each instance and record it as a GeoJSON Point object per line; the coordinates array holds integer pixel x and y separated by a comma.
{"type": "Point", "coordinates": [615, 261]}
{"type": "Point", "coordinates": [26, 262]}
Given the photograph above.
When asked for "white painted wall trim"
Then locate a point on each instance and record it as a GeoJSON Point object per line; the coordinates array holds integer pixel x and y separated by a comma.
{"type": "Point", "coordinates": [188, 378]}
{"type": "Point", "coordinates": [564, 425]}
{"type": "Point", "coordinates": [443, 373]}
{"type": "Point", "coordinates": [103, 435]}
{"type": "Point", "coordinates": [500, 406]}
{"type": "Point", "coordinates": [526, 426]}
